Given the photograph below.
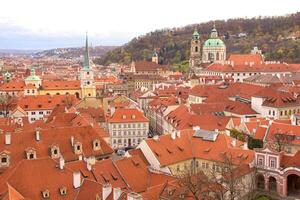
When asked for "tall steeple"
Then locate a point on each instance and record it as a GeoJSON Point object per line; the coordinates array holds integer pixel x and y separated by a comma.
{"type": "Point", "coordinates": [86, 61]}
{"type": "Point", "coordinates": [87, 82]}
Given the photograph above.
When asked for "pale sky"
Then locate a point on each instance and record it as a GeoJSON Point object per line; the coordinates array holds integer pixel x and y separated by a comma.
{"type": "Point", "coordinates": [44, 23]}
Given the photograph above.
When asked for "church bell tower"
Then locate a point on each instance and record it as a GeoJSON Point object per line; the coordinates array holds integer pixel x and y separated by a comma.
{"type": "Point", "coordinates": [87, 83]}
{"type": "Point", "coordinates": [195, 55]}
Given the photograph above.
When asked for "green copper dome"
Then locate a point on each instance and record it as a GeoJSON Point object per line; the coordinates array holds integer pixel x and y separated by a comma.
{"type": "Point", "coordinates": [32, 76]}
{"type": "Point", "coordinates": [214, 42]}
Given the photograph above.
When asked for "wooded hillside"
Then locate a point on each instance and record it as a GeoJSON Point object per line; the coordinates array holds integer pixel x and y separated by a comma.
{"type": "Point", "coordinates": [278, 37]}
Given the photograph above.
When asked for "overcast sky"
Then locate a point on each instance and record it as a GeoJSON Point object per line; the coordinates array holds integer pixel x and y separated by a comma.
{"type": "Point", "coordinates": [40, 24]}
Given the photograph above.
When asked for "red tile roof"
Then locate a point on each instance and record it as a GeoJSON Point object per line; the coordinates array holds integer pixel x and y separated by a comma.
{"type": "Point", "coordinates": [127, 115]}
{"type": "Point", "coordinates": [169, 151]}
{"type": "Point", "coordinates": [61, 85]}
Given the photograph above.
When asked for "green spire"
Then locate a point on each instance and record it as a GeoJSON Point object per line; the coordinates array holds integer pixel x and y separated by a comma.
{"type": "Point", "coordinates": [196, 34]}
{"type": "Point", "coordinates": [154, 54]}
{"type": "Point", "coordinates": [32, 72]}
{"type": "Point", "coordinates": [86, 61]}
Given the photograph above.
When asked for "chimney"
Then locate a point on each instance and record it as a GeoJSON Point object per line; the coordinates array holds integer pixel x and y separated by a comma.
{"type": "Point", "coordinates": [196, 128]}
{"type": "Point", "coordinates": [76, 179]}
{"type": "Point", "coordinates": [217, 130]}
{"type": "Point", "coordinates": [89, 166]}
{"type": "Point", "coordinates": [245, 146]}
{"type": "Point", "coordinates": [133, 196]}
{"type": "Point", "coordinates": [178, 134]}
{"type": "Point", "coordinates": [72, 141]}
{"type": "Point", "coordinates": [61, 162]}
{"type": "Point", "coordinates": [37, 135]}
{"type": "Point", "coordinates": [117, 193]}
{"type": "Point", "coordinates": [173, 135]}
{"type": "Point", "coordinates": [80, 157]}
{"type": "Point", "coordinates": [233, 143]}
{"type": "Point", "coordinates": [8, 138]}
{"type": "Point", "coordinates": [106, 190]}
{"type": "Point", "coordinates": [156, 138]}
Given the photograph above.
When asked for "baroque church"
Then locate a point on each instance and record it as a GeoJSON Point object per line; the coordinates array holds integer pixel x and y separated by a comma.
{"type": "Point", "coordinates": [83, 88]}
{"type": "Point", "coordinates": [213, 50]}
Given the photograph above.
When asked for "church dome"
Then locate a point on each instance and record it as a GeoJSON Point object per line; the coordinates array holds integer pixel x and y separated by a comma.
{"type": "Point", "coordinates": [32, 76]}
{"type": "Point", "coordinates": [214, 42]}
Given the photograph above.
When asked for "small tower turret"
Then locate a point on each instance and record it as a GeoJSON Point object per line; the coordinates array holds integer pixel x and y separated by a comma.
{"type": "Point", "coordinates": [155, 57]}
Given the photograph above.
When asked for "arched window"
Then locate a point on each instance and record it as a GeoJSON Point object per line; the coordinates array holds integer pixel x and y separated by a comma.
{"type": "Point", "coordinates": [196, 49]}
{"type": "Point", "coordinates": [217, 56]}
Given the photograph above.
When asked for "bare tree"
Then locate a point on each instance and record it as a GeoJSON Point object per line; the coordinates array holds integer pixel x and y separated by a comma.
{"type": "Point", "coordinates": [195, 182]}
{"type": "Point", "coordinates": [281, 140]}
{"type": "Point", "coordinates": [232, 178]}
{"type": "Point", "coordinates": [6, 102]}
{"type": "Point", "coordinates": [68, 101]}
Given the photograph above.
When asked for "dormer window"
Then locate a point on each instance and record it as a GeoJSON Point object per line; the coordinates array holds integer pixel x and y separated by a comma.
{"type": "Point", "coordinates": [54, 151]}
{"type": "Point", "coordinates": [63, 191]}
{"type": "Point", "coordinates": [78, 148]}
{"type": "Point", "coordinates": [4, 159]}
{"type": "Point", "coordinates": [46, 194]}
{"type": "Point", "coordinates": [96, 145]}
{"type": "Point", "coordinates": [30, 154]}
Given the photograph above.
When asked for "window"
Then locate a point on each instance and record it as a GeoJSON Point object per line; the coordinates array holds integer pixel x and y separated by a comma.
{"type": "Point", "coordinates": [207, 165]}
{"type": "Point", "coordinates": [78, 148]}
{"type": "Point", "coordinates": [273, 162]}
{"type": "Point", "coordinates": [260, 161]}
{"type": "Point", "coordinates": [33, 113]}
{"type": "Point", "coordinates": [4, 160]}
{"type": "Point", "coordinates": [30, 154]}
{"type": "Point", "coordinates": [96, 145]}
{"type": "Point", "coordinates": [41, 112]}
{"type": "Point", "coordinates": [46, 194]}
{"type": "Point", "coordinates": [63, 190]}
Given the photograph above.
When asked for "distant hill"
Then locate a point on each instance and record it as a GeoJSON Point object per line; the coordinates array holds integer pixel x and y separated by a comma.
{"type": "Point", "coordinates": [75, 52]}
{"type": "Point", "coordinates": [278, 37]}
{"type": "Point", "coordinates": [5, 52]}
